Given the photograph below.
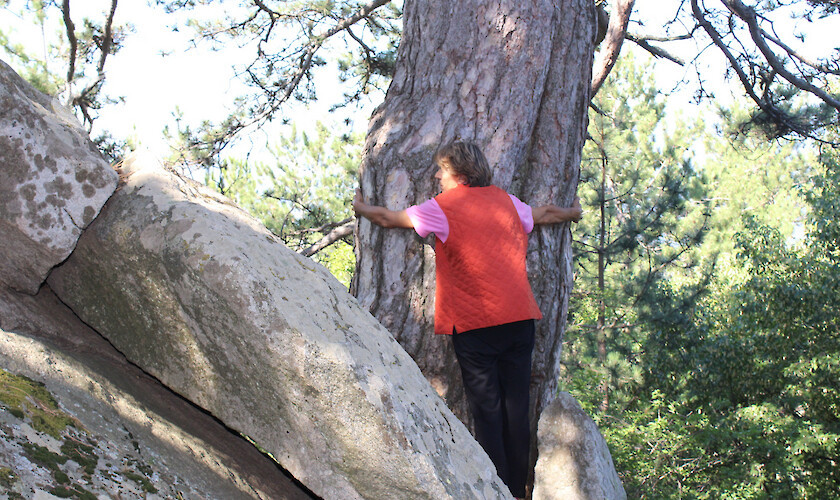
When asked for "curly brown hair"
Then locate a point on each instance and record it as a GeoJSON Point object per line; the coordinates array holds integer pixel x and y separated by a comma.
{"type": "Point", "coordinates": [467, 160]}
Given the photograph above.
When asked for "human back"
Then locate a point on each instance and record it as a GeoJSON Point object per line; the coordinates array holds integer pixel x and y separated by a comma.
{"type": "Point", "coordinates": [481, 275]}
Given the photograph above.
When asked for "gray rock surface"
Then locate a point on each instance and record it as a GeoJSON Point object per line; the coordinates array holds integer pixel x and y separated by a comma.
{"type": "Point", "coordinates": [54, 182]}
{"type": "Point", "coordinates": [574, 462]}
{"type": "Point", "coordinates": [204, 298]}
{"type": "Point", "coordinates": [128, 463]}
{"type": "Point", "coordinates": [143, 434]}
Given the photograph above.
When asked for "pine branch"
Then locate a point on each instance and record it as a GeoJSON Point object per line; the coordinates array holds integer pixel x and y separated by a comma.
{"type": "Point", "coordinates": [71, 39]}
{"type": "Point", "coordinates": [304, 58]}
{"type": "Point", "coordinates": [333, 236]}
{"type": "Point", "coordinates": [317, 42]}
{"type": "Point", "coordinates": [651, 38]}
{"type": "Point", "coordinates": [321, 229]}
{"type": "Point", "coordinates": [608, 55]}
{"type": "Point", "coordinates": [82, 100]}
{"type": "Point", "coordinates": [794, 54]}
{"type": "Point", "coordinates": [656, 51]}
{"type": "Point", "coordinates": [748, 15]}
{"type": "Point", "coordinates": [107, 40]}
{"type": "Point", "coordinates": [763, 104]}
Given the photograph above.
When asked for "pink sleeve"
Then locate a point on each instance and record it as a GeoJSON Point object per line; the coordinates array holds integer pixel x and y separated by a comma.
{"type": "Point", "coordinates": [526, 215]}
{"type": "Point", "coordinates": [428, 217]}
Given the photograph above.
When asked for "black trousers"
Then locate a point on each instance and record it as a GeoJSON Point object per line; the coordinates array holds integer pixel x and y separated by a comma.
{"type": "Point", "coordinates": [496, 368]}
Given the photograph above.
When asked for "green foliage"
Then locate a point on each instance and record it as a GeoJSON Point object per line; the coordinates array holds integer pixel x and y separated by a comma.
{"type": "Point", "coordinates": [49, 71]}
{"type": "Point", "coordinates": [25, 398]}
{"type": "Point", "coordinates": [823, 199]}
{"type": "Point", "coordinates": [645, 217]}
{"type": "Point", "coordinates": [31, 67]}
{"type": "Point", "coordinates": [142, 480]}
{"type": "Point", "coordinates": [748, 374]}
{"type": "Point", "coordinates": [314, 177]}
{"type": "Point", "coordinates": [825, 7]}
{"type": "Point", "coordinates": [73, 491]}
{"type": "Point", "coordinates": [304, 194]}
{"type": "Point", "coordinates": [673, 449]}
{"type": "Point", "coordinates": [748, 175]}
{"type": "Point", "coordinates": [81, 453]}
{"type": "Point", "coordinates": [719, 383]}
{"type": "Point", "coordinates": [44, 457]}
{"type": "Point", "coordinates": [801, 116]}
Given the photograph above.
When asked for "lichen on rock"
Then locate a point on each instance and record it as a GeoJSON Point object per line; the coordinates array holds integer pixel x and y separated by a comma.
{"type": "Point", "coordinates": [55, 181]}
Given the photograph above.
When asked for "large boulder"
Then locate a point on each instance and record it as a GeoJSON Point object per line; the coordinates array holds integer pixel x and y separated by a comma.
{"type": "Point", "coordinates": [144, 436]}
{"type": "Point", "coordinates": [54, 182]}
{"type": "Point", "coordinates": [574, 462]}
{"type": "Point", "coordinates": [128, 450]}
{"type": "Point", "coordinates": [204, 298]}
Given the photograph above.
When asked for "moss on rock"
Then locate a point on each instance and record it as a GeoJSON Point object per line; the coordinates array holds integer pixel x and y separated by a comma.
{"type": "Point", "coordinates": [26, 398]}
{"type": "Point", "coordinates": [7, 478]}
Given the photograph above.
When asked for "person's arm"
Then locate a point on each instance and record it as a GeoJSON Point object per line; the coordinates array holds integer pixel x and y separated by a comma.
{"type": "Point", "coordinates": [380, 216]}
{"type": "Point", "coordinates": [552, 214]}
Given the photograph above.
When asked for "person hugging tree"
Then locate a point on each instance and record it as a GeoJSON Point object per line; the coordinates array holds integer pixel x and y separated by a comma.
{"type": "Point", "coordinates": [483, 299]}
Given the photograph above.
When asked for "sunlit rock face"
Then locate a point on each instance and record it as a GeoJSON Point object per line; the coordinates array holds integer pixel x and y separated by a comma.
{"type": "Point", "coordinates": [53, 182]}
{"type": "Point", "coordinates": [203, 297]}
{"type": "Point", "coordinates": [105, 443]}
{"type": "Point", "coordinates": [574, 462]}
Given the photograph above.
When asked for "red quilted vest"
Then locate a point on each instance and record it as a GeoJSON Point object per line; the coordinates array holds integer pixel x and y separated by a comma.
{"type": "Point", "coordinates": [481, 276]}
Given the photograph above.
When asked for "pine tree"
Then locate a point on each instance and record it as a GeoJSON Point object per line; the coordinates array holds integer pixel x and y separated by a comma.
{"type": "Point", "coordinates": [304, 194]}
{"type": "Point", "coordinates": [644, 217]}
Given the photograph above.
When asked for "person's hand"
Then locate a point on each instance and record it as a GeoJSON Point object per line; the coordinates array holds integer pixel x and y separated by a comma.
{"type": "Point", "coordinates": [577, 211]}
{"type": "Point", "coordinates": [380, 216]}
{"type": "Point", "coordinates": [358, 202]}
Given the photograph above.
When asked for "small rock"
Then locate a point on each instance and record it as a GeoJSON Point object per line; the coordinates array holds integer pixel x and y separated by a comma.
{"type": "Point", "coordinates": [574, 462]}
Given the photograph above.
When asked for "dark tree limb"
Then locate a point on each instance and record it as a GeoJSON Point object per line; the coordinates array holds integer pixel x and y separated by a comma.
{"type": "Point", "coordinates": [656, 51]}
{"type": "Point", "coordinates": [333, 236]}
{"type": "Point", "coordinates": [265, 8]}
{"type": "Point", "coordinates": [358, 16]}
{"type": "Point", "coordinates": [107, 40]}
{"type": "Point", "coordinates": [748, 15]}
{"type": "Point", "coordinates": [763, 104]}
{"type": "Point", "coordinates": [298, 60]}
{"type": "Point", "coordinates": [70, 28]}
{"type": "Point", "coordinates": [322, 228]}
{"type": "Point", "coordinates": [318, 41]}
{"type": "Point", "coordinates": [85, 99]}
{"type": "Point", "coordinates": [611, 46]}
{"type": "Point", "coordinates": [651, 38]}
{"type": "Point", "coordinates": [799, 57]}
{"type": "Point", "coordinates": [771, 72]}
{"type": "Point", "coordinates": [368, 57]}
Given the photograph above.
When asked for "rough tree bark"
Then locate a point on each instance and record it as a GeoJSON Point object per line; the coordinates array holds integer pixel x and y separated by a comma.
{"type": "Point", "coordinates": [514, 77]}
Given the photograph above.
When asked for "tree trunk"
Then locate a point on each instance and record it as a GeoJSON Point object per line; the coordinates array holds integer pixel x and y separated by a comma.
{"type": "Point", "coordinates": [600, 332]}
{"type": "Point", "coordinates": [512, 76]}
